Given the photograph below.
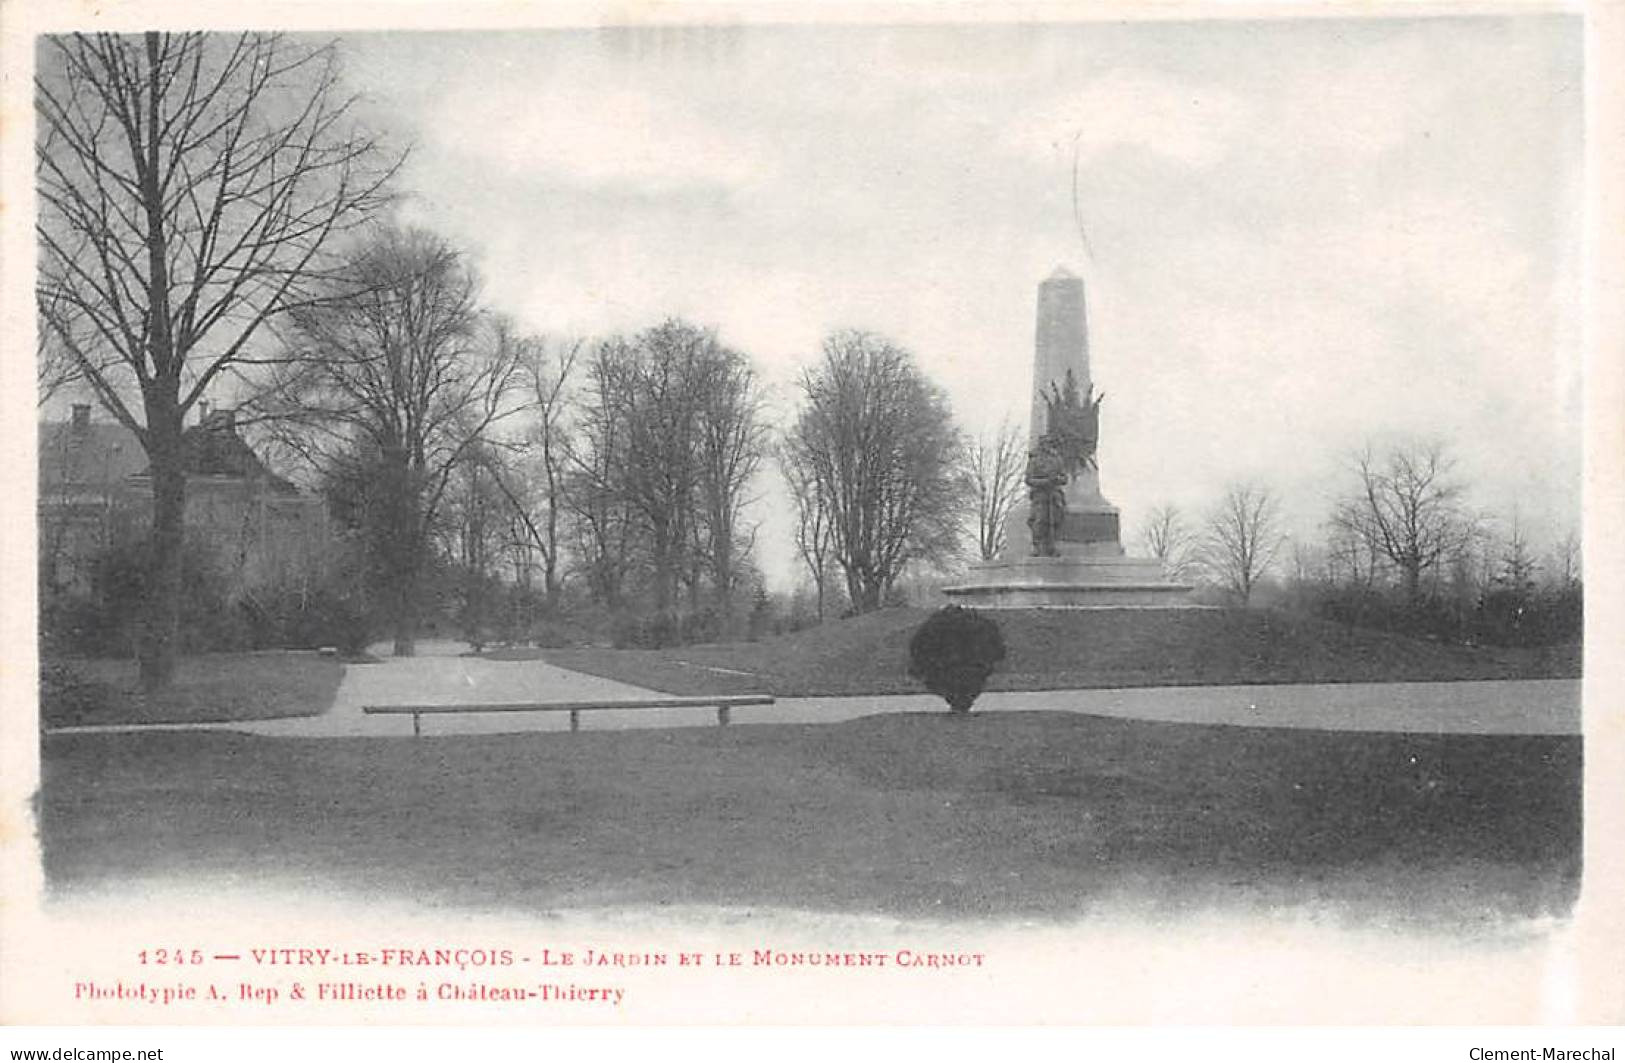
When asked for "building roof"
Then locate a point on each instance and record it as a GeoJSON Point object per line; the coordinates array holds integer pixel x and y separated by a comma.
{"type": "Point", "coordinates": [87, 452]}
{"type": "Point", "coordinates": [214, 448]}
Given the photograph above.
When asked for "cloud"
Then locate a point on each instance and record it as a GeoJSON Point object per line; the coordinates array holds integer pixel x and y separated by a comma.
{"type": "Point", "coordinates": [1180, 123]}
{"type": "Point", "coordinates": [594, 137]}
{"type": "Point", "coordinates": [1362, 104]}
{"type": "Point", "coordinates": [1274, 352]}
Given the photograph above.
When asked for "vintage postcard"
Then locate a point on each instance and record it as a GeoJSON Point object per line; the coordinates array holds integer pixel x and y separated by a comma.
{"type": "Point", "coordinates": [923, 514]}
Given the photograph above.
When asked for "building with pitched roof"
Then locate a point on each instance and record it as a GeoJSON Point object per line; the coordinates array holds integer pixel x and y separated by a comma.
{"type": "Point", "coordinates": [95, 489]}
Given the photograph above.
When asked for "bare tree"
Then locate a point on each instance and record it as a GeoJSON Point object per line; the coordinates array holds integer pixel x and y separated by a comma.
{"type": "Point", "coordinates": [670, 436]}
{"type": "Point", "coordinates": [55, 367]}
{"type": "Point", "coordinates": [1479, 549]}
{"type": "Point", "coordinates": [813, 531]}
{"type": "Point", "coordinates": [536, 493]}
{"type": "Point", "coordinates": [602, 518]}
{"type": "Point", "coordinates": [1165, 536]}
{"type": "Point", "coordinates": [1518, 562]}
{"type": "Point", "coordinates": [395, 378]}
{"type": "Point", "coordinates": [1406, 507]}
{"type": "Point", "coordinates": [1563, 563]}
{"type": "Point", "coordinates": [732, 442]}
{"type": "Point", "coordinates": [476, 519]}
{"type": "Point", "coordinates": [1242, 538]}
{"type": "Point", "coordinates": [658, 400]}
{"type": "Point", "coordinates": [994, 463]}
{"type": "Point", "coordinates": [189, 185]}
{"type": "Point", "coordinates": [1308, 563]}
{"type": "Point", "coordinates": [1351, 557]}
{"type": "Point", "coordinates": [880, 442]}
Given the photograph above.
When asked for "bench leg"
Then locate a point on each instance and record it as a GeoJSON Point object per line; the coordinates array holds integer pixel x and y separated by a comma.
{"type": "Point", "coordinates": [417, 725]}
{"type": "Point", "coordinates": [575, 720]}
{"type": "Point", "coordinates": [722, 715]}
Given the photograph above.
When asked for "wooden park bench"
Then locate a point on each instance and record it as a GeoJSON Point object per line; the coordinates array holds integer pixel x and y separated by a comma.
{"type": "Point", "coordinates": [721, 702]}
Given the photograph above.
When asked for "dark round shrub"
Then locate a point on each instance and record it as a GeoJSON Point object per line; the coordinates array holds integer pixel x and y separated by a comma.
{"type": "Point", "coordinates": [953, 653]}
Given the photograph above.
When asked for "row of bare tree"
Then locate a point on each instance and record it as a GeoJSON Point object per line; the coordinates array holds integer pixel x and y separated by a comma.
{"type": "Point", "coordinates": [210, 218]}
{"type": "Point", "coordinates": [446, 439]}
{"type": "Point", "coordinates": [664, 440]}
{"type": "Point", "coordinates": [1401, 527]}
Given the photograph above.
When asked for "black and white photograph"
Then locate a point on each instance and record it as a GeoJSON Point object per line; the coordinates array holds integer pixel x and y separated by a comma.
{"type": "Point", "coordinates": [934, 514]}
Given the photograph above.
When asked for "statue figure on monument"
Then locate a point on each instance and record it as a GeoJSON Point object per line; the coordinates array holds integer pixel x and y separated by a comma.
{"type": "Point", "coordinates": [1073, 421]}
{"type": "Point", "coordinates": [1046, 480]}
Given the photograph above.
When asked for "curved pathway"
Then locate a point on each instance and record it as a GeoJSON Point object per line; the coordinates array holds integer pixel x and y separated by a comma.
{"type": "Point", "coordinates": [439, 675]}
{"type": "Point", "coordinates": [450, 679]}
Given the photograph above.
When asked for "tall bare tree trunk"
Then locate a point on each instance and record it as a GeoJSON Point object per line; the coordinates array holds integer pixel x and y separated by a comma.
{"type": "Point", "coordinates": [723, 570]}
{"type": "Point", "coordinates": [665, 585]}
{"type": "Point", "coordinates": [164, 416]}
{"type": "Point", "coordinates": [160, 639]}
{"type": "Point", "coordinates": [550, 559]}
{"type": "Point", "coordinates": [404, 592]}
{"type": "Point", "coordinates": [398, 543]}
{"type": "Point", "coordinates": [865, 592]}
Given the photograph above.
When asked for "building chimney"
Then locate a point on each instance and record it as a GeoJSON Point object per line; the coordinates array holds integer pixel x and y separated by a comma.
{"type": "Point", "coordinates": [81, 416]}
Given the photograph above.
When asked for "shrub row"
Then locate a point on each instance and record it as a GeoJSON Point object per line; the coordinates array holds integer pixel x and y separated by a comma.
{"type": "Point", "coordinates": [1501, 616]}
{"type": "Point", "coordinates": [104, 621]}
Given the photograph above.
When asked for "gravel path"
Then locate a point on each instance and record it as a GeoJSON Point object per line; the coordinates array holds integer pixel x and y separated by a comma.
{"type": "Point", "coordinates": [440, 676]}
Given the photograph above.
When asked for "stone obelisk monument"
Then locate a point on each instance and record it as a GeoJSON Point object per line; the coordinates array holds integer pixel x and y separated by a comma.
{"type": "Point", "coordinates": [1063, 544]}
{"type": "Point", "coordinates": [1060, 349]}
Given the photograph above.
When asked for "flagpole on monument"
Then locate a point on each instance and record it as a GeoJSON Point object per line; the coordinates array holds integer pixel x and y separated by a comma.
{"type": "Point", "coordinates": [1077, 210]}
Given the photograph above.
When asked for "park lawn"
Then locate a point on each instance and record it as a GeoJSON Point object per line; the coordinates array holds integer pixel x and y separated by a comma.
{"type": "Point", "coordinates": [208, 687]}
{"type": "Point", "coordinates": [1033, 815]}
{"type": "Point", "coordinates": [1054, 649]}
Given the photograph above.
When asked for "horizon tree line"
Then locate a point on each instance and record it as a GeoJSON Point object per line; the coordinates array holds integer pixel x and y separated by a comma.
{"type": "Point", "coordinates": [1400, 547]}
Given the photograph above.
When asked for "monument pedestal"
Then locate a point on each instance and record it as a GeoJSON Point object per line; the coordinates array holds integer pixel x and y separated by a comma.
{"type": "Point", "coordinates": [1072, 581]}
{"type": "Point", "coordinates": [1091, 569]}
{"type": "Point", "coordinates": [1093, 574]}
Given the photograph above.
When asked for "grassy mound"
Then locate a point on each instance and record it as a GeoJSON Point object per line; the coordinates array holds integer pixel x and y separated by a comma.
{"type": "Point", "coordinates": [1072, 649]}
{"type": "Point", "coordinates": [212, 687]}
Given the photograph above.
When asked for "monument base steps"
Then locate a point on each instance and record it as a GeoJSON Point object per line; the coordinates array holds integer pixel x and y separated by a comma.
{"type": "Point", "coordinates": [1090, 579]}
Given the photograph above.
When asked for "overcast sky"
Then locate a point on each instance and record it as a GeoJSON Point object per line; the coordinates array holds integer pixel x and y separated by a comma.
{"type": "Point", "coordinates": [1303, 233]}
